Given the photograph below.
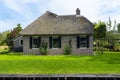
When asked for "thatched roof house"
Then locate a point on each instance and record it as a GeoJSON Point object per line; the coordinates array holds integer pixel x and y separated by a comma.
{"type": "Point", "coordinates": [51, 28]}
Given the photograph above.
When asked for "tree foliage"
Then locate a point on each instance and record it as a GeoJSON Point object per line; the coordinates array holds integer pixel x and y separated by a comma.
{"type": "Point", "coordinates": [99, 29]}
{"type": "Point", "coordinates": [14, 33]}
{"type": "Point", "coordinates": [118, 27]}
{"type": "Point", "coordinates": [112, 31]}
{"type": "Point", "coordinates": [109, 24]}
{"type": "Point", "coordinates": [44, 48]}
{"type": "Point", "coordinates": [3, 37]}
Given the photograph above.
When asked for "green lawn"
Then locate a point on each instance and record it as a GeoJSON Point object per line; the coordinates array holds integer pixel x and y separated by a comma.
{"type": "Point", "coordinates": [108, 63]}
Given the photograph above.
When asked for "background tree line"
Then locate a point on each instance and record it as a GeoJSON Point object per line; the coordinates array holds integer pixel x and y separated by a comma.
{"type": "Point", "coordinates": [6, 37]}
{"type": "Point", "coordinates": [107, 35]}
{"type": "Point", "coordinates": [106, 29]}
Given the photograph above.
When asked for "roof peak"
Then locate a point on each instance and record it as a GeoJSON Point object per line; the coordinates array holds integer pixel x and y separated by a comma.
{"type": "Point", "coordinates": [51, 13]}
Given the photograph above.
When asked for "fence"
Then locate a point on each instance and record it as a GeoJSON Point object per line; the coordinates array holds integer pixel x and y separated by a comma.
{"type": "Point", "coordinates": [60, 77]}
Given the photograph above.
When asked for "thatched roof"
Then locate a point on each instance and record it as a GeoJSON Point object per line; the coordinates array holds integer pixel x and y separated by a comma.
{"type": "Point", "coordinates": [50, 23]}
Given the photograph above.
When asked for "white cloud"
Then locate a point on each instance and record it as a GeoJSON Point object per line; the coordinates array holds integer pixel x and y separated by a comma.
{"type": "Point", "coordinates": [29, 1]}
{"type": "Point", "coordinates": [94, 10]}
{"type": "Point", "coordinates": [19, 8]}
{"type": "Point", "coordinates": [111, 3]}
{"type": "Point", "coordinates": [4, 26]}
{"type": "Point", "coordinates": [10, 24]}
{"type": "Point", "coordinates": [90, 9]}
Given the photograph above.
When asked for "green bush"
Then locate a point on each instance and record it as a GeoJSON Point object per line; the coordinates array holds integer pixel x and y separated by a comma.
{"type": "Point", "coordinates": [67, 50]}
{"type": "Point", "coordinates": [106, 49]}
{"type": "Point", "coordinates": [97, 48]}
{"type": "Point", "coordinates": [44, 49]}
{"type": "Point", "coordinates": [4, 52]}
{"type": "Point", "coordinates": [11, 48]}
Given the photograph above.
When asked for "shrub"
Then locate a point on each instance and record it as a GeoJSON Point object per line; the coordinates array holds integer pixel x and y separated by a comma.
{"type": "Point", "coordinates": [97, 48]}
{"type": "Point", "coordinates": [67, 50]}
{"type": "Point", "coordinates": [44, 49]}
{"type": "Point", "coordinates": [11, 48]}
{"type": "Point", "coordinates": [4, 52]}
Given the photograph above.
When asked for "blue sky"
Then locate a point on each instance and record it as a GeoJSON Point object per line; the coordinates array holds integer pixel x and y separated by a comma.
{"type": "Point", "coordinates": [24, 12]}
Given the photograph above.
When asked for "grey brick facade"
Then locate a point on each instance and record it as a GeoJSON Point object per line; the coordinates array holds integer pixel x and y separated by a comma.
{"type": "Point", "coordinates": [59, 51]}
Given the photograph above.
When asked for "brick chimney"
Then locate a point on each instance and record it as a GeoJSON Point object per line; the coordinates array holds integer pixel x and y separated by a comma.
{"type": "Point", "coordinates": [77, 12]}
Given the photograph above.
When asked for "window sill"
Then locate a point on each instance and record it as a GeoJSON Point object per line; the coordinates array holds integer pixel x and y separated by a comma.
{"type": "Point", "coordinates": [55, 48]}
{"type": "Point", "coordinates": [83, 48]}
{"type": "Point", "coordinates": [21, 45]}
{"type": "Point", "coordinates": [35, 48]}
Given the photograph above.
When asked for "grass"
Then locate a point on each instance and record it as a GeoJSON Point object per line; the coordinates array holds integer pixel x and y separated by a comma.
{"type": "Point", "coordinates": [108, 63]}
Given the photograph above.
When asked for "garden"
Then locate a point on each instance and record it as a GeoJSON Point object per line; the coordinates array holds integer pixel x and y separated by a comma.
{"type": "Point", "coordinates": [17, 63]}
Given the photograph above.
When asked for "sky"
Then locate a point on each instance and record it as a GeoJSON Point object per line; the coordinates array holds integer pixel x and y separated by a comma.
{"type": "Point", "coordinates": [13, 12]}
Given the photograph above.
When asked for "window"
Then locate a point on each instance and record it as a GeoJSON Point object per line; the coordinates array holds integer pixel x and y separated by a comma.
{"type": "Point", "coordinates": [35, 42]}
{"type": "Point", "coordinates": [82, 41]}
{"type": "Point", "coordinates": [21, 42]}
{"type": "Point", "coordinates": [55, 42]}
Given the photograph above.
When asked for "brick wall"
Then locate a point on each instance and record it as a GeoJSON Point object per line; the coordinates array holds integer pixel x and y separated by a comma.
{"type": "Point", "coordinates": [58, 51]}
{"type": "Point", "coordinates": [16, 42]}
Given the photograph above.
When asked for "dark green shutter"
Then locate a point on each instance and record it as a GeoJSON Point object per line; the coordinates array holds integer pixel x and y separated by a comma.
{"type": "Point", "coordinates": [50, 42]}
{"type": "Point", "coordinates": [30, 43]}
{"type": "Point", "coordinates": [78, 41]}
{"type": "Point", "coordinates": [39, 41]}
{"type": "Point", "coordinates": [87, 41]}
{"type": "Point", "coordinates": [59, 42]}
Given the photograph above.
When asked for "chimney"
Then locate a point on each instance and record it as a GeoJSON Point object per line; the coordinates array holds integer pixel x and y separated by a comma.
{"type": "Point", "coordinates": [77, 12]}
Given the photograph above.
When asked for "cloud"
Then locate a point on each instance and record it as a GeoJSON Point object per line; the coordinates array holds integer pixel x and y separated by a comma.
{"type": "Point", "coordinates": [10, 24]}
{"type": "Point", "coordinates": [31, 9]}
{"type": "Point", "coordinates": [19, 7]}
{"type": "Point", "coordinates": [4, 26]}
{"type": "Point", "coordinates": [109, 8]}
{"type": "Point", "coordinates": [90, 9]}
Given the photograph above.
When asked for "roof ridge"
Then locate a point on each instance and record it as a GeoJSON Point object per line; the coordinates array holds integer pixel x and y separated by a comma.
{"type": "Point", "coordinates": [49, 12]}
{"type": "Point", "coordinates": [66, 15]}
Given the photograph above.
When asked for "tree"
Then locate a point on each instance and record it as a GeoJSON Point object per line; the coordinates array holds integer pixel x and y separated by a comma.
{"type": "Point", "coordinates": [3, 36]}
{"type": "Point", "coordinates": [118, 27]}
{"type": "Point", "coordinates": [109, 24]}
{"type": "Point", "coordinates": [14, 33]}
{"type": "Point", "coordinates": [99, 29]}
{"type": "Point", "coordinates": [111, 33]}
{"type": "Point", "coordinates": [114, 27]}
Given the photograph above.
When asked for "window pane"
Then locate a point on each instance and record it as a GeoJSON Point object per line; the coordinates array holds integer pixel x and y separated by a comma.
{"type": "Point", "coordinates": [83, 41]}
{"type": "Point", "coordinates": [21, 41]}
{"type": "Point", "coordinates": [55, 42]}
{"type": "Point", "coordinates": [35, 43]}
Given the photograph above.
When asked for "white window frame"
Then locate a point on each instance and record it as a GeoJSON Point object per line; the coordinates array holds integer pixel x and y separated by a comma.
{"type": "Point", "coordinates": [20, 42]}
